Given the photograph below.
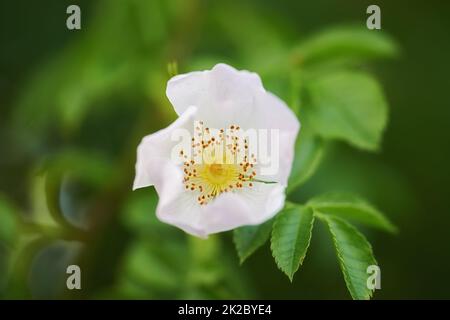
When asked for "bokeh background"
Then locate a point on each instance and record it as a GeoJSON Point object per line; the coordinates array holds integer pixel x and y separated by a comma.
{"type": "Point", "coordinates": [75, 104]}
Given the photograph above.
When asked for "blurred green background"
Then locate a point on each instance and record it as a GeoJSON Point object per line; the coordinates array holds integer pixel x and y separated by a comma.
{"type": "Point", "coordinates": [75, 104]}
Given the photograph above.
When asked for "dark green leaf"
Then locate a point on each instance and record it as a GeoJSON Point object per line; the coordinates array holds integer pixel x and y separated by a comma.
{"type": "Point", "coordinates": [290, 238]}
{"type": "Point", "coordinates": [249, 238]}
{"type": "Point", "coordinates": [349, 106]}
{"type": "Point", "coordinates": [354, 254]}
{"type": "Point", "coordinates": [351, 207]}
{"type": "Point", "coordinates": [349, 44]}
{"type": "Point", "coordinates": [309, 150]}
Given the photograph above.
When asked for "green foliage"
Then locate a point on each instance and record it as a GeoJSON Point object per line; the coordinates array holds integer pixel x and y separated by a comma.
{"type": "Point", "coordinates": [345, 44]}
{"type": "Point", "coordinates": [349, 106]}
{"type": "Point", "coordinates": [249, 238]}
{"type": "Point", "coordinates": [292, 231]}
{"type": "Point", "coordinates": [355, 255]}
{"type": "Point", "coordinates": [162, 261]}
{"type": "Point", "coordinates": [91, 167]}
{"type": "Point", "coordinates": [290, 238]}
{"type": "Point", "coordinates": [309, 150]}
{"type": "Point", "coordinates": [210, 273]}
{"type": "Point", "coordinates": [93, 68]}
{"type": "Point", "coordinates": [351, 207]}
{"type": "Point", "coordinates": [151, 266]}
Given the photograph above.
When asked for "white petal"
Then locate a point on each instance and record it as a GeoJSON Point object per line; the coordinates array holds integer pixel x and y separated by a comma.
{"type": "Point", "coordinates": [250, 207]}
{"type": "Point", "coordinates": [275, 114]}
{"type": "Point", "coordinates": [154, 151]}
{"type": "Point", "coordinates": [226, 212]}
{"type": "Point", "coordinates": [237, 96]}
{"type": "Point", "coordinates": [223, 95]}
{"type": "Point", "coordinates": [176, 206]}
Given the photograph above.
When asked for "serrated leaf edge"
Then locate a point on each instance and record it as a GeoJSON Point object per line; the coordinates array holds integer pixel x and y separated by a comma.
{"type": "Point", "coordinates": [340, 258]}
{"type": "Point", "coordinates": [302, 258]}
{"type": "Point", "coordinates": [389, 226]}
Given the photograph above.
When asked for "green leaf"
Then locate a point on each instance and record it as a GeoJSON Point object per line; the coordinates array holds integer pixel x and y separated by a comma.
{"type": "Point", "coordinates": [354, 254]}
{"type": "Point", "coordinates": [9, 221]}
{"type": "Point", "coordinates": [351, 207]}
{"type": "Point", "coordinates": [349, 106]}
{"type": "Point", "coordinates": [291, 235]}
{"type": "Point", "coordinates": [347, 43]}
{"type": "Point", "coordinates": [309, 150]}
{"type": "Point", "coordinates": [249, 238]}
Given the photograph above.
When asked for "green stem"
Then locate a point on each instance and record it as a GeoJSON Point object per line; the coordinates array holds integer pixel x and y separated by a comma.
{"type": "Point", "coordinates": [263, 181]}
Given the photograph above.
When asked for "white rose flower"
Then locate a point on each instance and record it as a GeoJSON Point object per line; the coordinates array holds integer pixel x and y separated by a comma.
{"type": "Point", "coordinates": [217, 108]}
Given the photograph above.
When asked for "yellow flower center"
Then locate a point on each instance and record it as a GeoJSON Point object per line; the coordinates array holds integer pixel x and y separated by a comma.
{"type": "Point", "coordinates": [219, 174]}
{"type": "Point", "coordinates": [217, 165]}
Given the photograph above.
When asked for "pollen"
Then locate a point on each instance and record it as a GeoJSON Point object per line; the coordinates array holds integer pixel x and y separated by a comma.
{"type": "Point", "coordinates": [220, 163]}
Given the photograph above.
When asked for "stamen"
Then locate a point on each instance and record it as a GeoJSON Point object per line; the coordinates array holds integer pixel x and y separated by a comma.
{"type": "Point", "coordinates": [225, 172]}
